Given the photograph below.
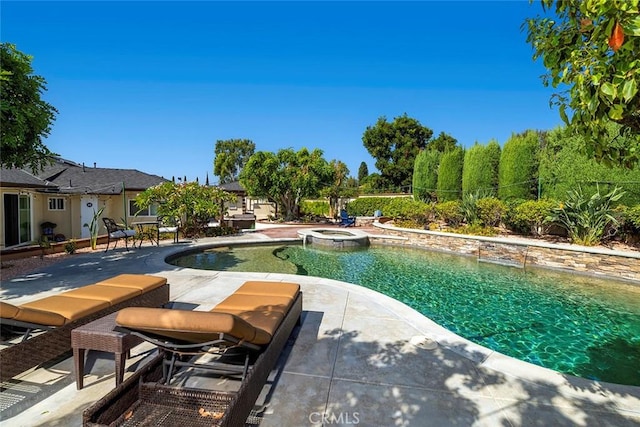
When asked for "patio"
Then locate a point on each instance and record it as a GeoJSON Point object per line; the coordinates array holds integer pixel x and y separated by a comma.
{"type": "Point", "coordinates": [351, 362]}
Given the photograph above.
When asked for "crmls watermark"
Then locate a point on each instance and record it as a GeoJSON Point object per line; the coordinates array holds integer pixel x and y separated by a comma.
{"type": "Point", "coordinates": [325, 418]}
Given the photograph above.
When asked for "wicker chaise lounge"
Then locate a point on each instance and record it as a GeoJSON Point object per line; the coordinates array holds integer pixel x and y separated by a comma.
{"type": "Point", "coordinates": [57, 315]}
{"type": "Point", "coordinates": [245, 321]}
{"type": "Point", "coordinates": [258, 318]}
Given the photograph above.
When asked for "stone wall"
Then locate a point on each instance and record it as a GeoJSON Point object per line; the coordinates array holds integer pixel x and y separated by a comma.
{"type": "Point", "coordinates": [519, 252]}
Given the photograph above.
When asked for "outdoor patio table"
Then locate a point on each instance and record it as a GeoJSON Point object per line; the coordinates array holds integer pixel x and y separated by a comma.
{"type": "Point", "coordinates": [147, 230]}
{"type": "Point", "coordinates": [100, 335]}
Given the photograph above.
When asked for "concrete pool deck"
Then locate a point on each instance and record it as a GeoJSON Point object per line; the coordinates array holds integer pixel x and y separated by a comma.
{"type": "Point", "coordinates": [351, 361]}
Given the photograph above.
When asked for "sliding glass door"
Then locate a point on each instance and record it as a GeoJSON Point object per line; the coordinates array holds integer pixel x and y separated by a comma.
{"type": "Point", "coordinates": [17, 219]}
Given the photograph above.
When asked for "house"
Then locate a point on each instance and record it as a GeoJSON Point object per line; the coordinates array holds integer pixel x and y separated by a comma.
{"type": "Point", "coordinates": [262, 209]}
{"type": "Point", "coordinates": [66, 194]}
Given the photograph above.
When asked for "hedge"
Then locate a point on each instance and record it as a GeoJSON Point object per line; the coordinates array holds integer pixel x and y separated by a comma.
{"type": "Point", "coordinates": [450, 175]}
{"type": "Point", "coordinates": [518, 172]}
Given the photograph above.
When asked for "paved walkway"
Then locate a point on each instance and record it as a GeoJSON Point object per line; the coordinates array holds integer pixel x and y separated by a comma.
{"type": "Point", "coordinates": [352, 361]}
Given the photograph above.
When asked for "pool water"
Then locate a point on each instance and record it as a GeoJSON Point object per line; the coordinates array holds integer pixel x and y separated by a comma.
{"type": "Point", "coordinates": [572, 324]}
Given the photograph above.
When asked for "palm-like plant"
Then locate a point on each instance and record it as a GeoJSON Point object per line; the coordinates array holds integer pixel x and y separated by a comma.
{"type": "Point", "coordinates": [586, 218]}
{"type": "Point", "coordinates": [93, 227]}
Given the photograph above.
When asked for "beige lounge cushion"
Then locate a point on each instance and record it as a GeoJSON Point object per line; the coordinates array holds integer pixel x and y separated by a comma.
{"type": "Point", "coordinates": [111, 294]}
{"type": "Point", "coordinates": [189, 326]}
{"type": "Point", "coordinates": [70, 308]}
{"type": "Point", "coordinates": [29, 315]}
{"type": "Point", "coordinates": [268, 321]}
{"type": "Point", "coordinates": [255, 303]}
{"type": "Point", "coordinates": [142, 282]}
{"type": "Point", "coordinates": [259, 287]}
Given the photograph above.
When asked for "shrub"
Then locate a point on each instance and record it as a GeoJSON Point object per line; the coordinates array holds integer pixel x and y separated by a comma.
{"type": "Point", "coordinates": [406, 208]}
{"type": "Point", "coordinates": [314, 208]}
{"type": "Point", "coordinates": [586, 218]}
{"type": "Point", "coordinates": [490, 211]}
{"type": "Point", "coordinates": [366, 206]}
{"type": "Point", "coordinates": [632, 216]}
{"type": "Point", "coordinates": [219, 231]}
{"type": "Point", "coordinates": [565, 166]}
{"type": "Point", "coordinates": [475, 229]}
{"type": "Point", "coordinates": [518, 171]}
{"type": "Point", "coordinates": [408, 223]}
{"type": "Point", "coordinates": [450, 212]}
{"type": "Point", "coordinates": [468, 207]}
{"type": "Point", "coordinates": [70, 247]}
{"type": "Point", "coordinates": [629, 218]}
{"type": "Point", "coordinates": [450, 175]}
{"type": "Point", "coordinates": [529, 217]}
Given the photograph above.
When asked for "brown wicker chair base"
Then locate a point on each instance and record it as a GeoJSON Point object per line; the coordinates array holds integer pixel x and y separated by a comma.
{"type": "Point", "coordinates": [141, 398]}
{"type": "Point", "coordinates": [49, 345]}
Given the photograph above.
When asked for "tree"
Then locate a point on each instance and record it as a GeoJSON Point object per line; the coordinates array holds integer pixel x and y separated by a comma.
{"type": "Point", "coordinates": [563, 167]}
{"type": "Point", "coordinates": [480, 170]}
{"type": "Point", "coordinates": [286, 177]}
{"type": "Point", "coordinates": [230, 157]}
{"type": "Point", "coordinates": [442, 143]}
{"type": "Point", "coordinates": [26, 118]}
{"type": "Point", "coordinates": [195, 204]}
{"type": "Point", "coordinates": [450, 175]}
{"type": "Point", "coordinates": [593, 47]}
{"type": "Point", "coordinates": [395, 146]}
{"type": "Point", "coordinates": [338, 188]}
{"type": "Point", "coordinates": [363, 171]}
{"type": "Point", "coordinates": [518, 171]}
{"type": "Point", "coordinates": [425, 174]}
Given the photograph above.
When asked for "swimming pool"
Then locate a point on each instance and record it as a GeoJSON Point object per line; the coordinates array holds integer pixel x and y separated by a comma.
{"type": "Point", "coordinates": [573, 324]}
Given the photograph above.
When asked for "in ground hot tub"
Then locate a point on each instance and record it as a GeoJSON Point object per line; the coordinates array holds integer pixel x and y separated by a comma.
{"type": "Point", "coordinates": [334, 238]}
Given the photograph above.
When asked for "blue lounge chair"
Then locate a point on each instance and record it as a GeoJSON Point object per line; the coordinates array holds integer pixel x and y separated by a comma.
{"type": "Point", "coordinates": [346, 220]}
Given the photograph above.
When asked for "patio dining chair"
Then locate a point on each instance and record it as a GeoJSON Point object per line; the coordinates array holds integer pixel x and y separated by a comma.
{"type": "Point", "coordinates": [116, 232]}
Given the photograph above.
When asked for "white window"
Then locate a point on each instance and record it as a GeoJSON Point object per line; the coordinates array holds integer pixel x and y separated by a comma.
{"type": "Point", "coordinates": [134, 209]}
{"type": "Point", "coordinates": [56, 203]}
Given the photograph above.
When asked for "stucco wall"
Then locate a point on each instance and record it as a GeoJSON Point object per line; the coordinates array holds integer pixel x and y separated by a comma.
{"type": "Point", "coordinates": [521, 253]}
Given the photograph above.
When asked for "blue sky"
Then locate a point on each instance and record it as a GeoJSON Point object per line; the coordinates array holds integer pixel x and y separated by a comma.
{"type": "Point", "coordinates": [153, 85]}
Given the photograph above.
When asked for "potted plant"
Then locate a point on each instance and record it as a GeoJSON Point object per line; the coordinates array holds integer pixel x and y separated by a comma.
{"type": "Point", "coordinates": [93, 227]}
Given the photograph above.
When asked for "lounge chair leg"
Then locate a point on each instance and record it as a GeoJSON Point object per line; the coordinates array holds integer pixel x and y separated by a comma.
{"type": "Point", "coordinates": [26, 334]}
{"type": "Point", "coordinates": [246, 366]}
{"type": "Point", "coordinates": [168, 375]}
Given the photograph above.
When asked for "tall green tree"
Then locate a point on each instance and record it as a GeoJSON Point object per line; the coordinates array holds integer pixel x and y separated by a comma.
{"type": "Point", "coordinates": [363, 171]}
{"type": "Point", "coordinates": [286, 177]}
{"type": "Point", "coordinates": [518, 171]}
{"type": "Point", "coordinates": [450, 175]}
{"type": "Point", "coordinates": [25, 118]}
{"type": "Point", "coordinates": [230, 157]}
{"type": "Point", "coordinates": [395, 146]}
{"type": "Point", "coordinates": [592, 49]}
{"type": "Point", "coordinates": [480, 170]}
{"type": "Point", "coordinates": [425, 175]}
